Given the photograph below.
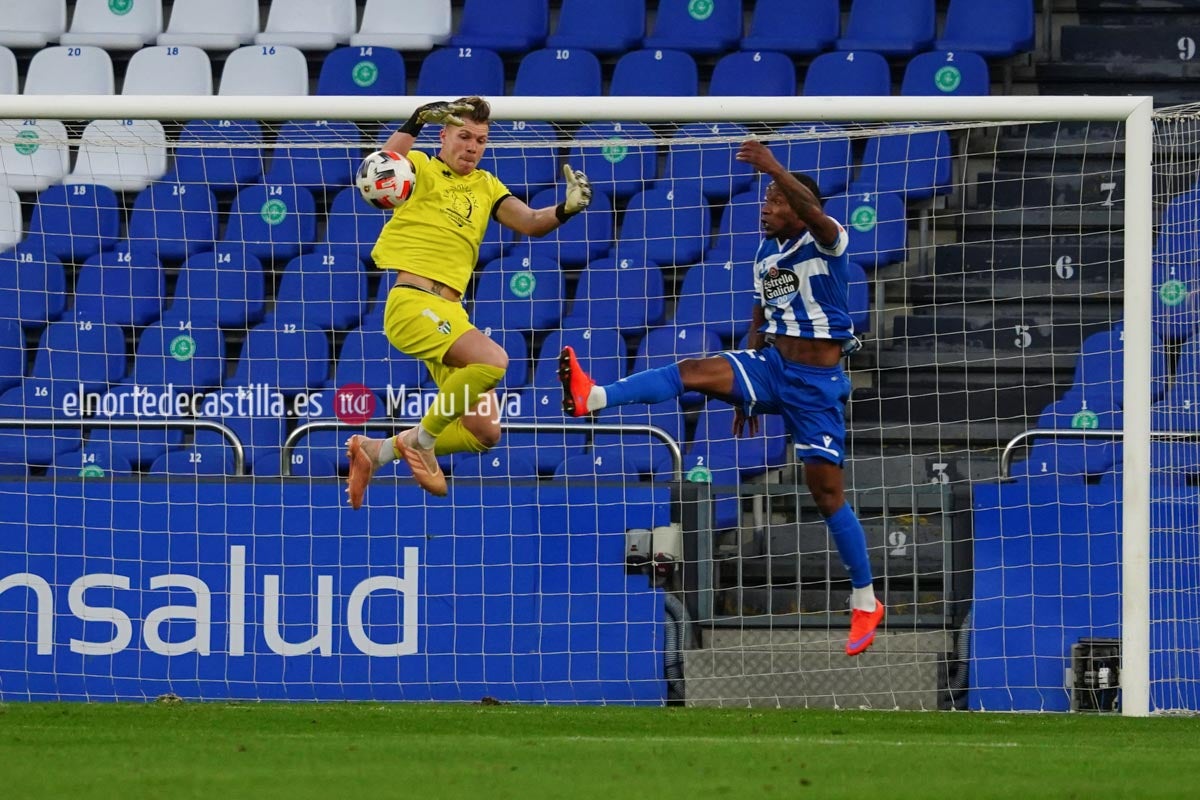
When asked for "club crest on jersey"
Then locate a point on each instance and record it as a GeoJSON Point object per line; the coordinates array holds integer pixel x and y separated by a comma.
{"type": "Point", "coordinates": [780, 286]}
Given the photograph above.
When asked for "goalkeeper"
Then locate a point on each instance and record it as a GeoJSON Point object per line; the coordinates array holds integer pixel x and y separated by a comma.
{"type": "Point", "coordinates": [431, 244]}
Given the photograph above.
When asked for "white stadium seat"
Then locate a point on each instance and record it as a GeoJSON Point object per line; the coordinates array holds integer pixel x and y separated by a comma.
{"type": "Point", "coordinates": [32, 25]}
{"type": "Point", "coordinates": [174, 69]}
{"type": "Point", "coordinates": [416, 25]}
{"type": "Point", "coordinates": [212, 24]}
{"type": "Point", "coordinates": [115, 24]}
{"type": "Point", "coordinates": [309, 24]}
{"type": "Point", "coordinates": [11, 223]}
{"type": "Point", "coordinates": [265, 69]}
{"type": "Point", "coordinates": [70, 70]}
{"type": "Point", "coordinates": [8, 71]}
{"type": "Point", "coordinates": [125, 155]}
{"type": "Point", "coordinates": [40, 156]}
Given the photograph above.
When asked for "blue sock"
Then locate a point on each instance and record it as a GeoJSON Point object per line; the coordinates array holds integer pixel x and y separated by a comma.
{"type": "Point", "coordinates": [649, 386]}
{"type": "Point", "coordinates": [851, 543]}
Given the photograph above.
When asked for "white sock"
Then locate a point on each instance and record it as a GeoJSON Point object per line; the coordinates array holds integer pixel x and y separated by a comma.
{"type": "Point", "coordinates": [863, 598]}
{"type": "Point", "coordinates": [597, 398]}
{"type": "Point", "coordinates": [387, 453]}
{"type": "Point", "coordinates": [425, 439]}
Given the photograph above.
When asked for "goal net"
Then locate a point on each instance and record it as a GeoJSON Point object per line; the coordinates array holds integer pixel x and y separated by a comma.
{"type": "Point", "coordinates": [193, 327]}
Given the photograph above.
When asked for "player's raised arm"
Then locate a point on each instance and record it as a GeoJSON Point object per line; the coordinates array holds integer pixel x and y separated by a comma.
{"type": "Point", "coordinates": [806, 205]}
{"type": "Point", "coordinates": [439, 113]}
{"type": "Point", "coordinates": [514, 214]}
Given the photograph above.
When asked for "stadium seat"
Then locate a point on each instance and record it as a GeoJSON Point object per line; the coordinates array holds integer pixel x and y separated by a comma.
{"type": "Point", "coordinates": [12, 222]}
{"type": "Point", "coordinates": [141, 444]}
{"type": "Point", "coordinates": [717, 470]}
{"type": "Point", "coordinates": [655, 73]}
{"type": "Point", "coordinates": [497, 240]}
{"type": "Point", "coordinates": [32, 26]}
{"type": "Point", "coordinates": [514, 344]}
{"type": "Point", "coordinates": [219, 169]}
{"type": "Point", "coordinates": [547, 450]}
{"type": "Point", "coordinates": [526, 170]}
{"type": "Point", "coordinates": [353, 223]}
{"type": "Point", "coordinates": [601, 351]}
{"type": "Point", "coordinates": [9, 82]}
{"type": "Point", "coordinates": [718, 295]}
{"type": "Point", "coordinates": [12, 346]}
{"type": "Point", "coordinates": [739, 231]}
{"type": "Point", "coordinates": [999, 29]}
{"type": "Point", "coordinates": [122, 286]}
{"type": "Point", "coordinates": [371, 71]}
{"type": "Point", "coordinates": [876, 225]}
{"type": "Point", "coordinates": [194, 460]}
{"type": "Point", "coordinates": [257, 70]}
{"type": "Point", "coordinates": [710, 165]}
{"type": "Point", "coordinates": [90, 463]}
{"type": "Point", "coordinates": [668, 225]}
{"type": "Point", "coordinates": [178, 219]}
{"type": "Point", "coordinates": [188, 354]}
{"type": "Point", "coordinates": [70, 70]}
{"type": "Point", "coordinates": [114, 24]}
{"type": "Point", "coordinates": [84, 352]}
{"type": "Point", "coordinates": [820, 154]}
{"type": "Point", "coordinates": [178, 69]}
{"type": "Point", "coordinates": [32, 285]}
{"type": "Point", "coordinates": [35, 399]}
{"type": "Point", "coordinates": [621, 293]}
{"type": "Point", "coordinates": [461, 72]}
{"type": "Point", "coordinates": [125, 155]}
{"type": "Point", "coordinates": [260, 435]}
{"type": "Point", "coordinates": [325, 289]}
{"type": "Point", "coordinates": [519, 292]}
{"type": "Point", "coordinates": [585, 236]}
{"type": "Point", "coordinates": [619, 170]}
{"type": "Point", "coordinates": [701, 28]}
{"type": "Point", "coordinates": [670, 344]}
{"type": "Point", "coordinates": [212, 24]}
{"type": "Point", "coordinates": [935, 74]}
{"type": "Point", "coordinates": [304, 465]}
{"type": "Point", "coordinates": [914, 165]}
{"type": "Point", "coordinates": [274, 221]}
{"type": "Point", "coordinates": [604, 464]}
{"type": "Point", "coordinates": [40, 157]}
{"type": "Point", "coordinates": [224, 285]}
{"type": "Point", "coordinates": [1099, 377]}
{"type": "Point", "coordinates": [368, 358]}
{"type": "Point", "coordinates": [890, 27]}
{"type": "Point", "coordinates": [499, 462]}
{"type": "Point", "coordinates": [1071, 457]}
{"type": "Point", "coordinates": [286, 356]}
{"type": "Point", "coordinates": [415, 25]}
{"type": "Point", "coordinates": [640, 451]}
{"type": "Point", "coordinates": [77, 221]}
{"type": "Point", "coordinates": [330, 166]}
{"type": "Point", "coordinates": [514, 26]}
{"type": "Point", "coordinates": [309, 24]}
{"type": "Point", "coordinates": [856, 73]}
{"type": "Point", "coordinates": [753, 455]}
{"type": "Point", "coordinates": [756, 73]}
{"type": "Point", "coordinates": [558, 73]}
{"type": "Point", "coordinates": [773, 27]}
{"type": "Point", "coordinates": [858, 298]}
{"type": "Point", "coordinates": [610, 28]}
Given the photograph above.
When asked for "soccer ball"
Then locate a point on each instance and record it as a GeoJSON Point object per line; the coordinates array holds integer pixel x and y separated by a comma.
{"type": "Point", "coordinates": [385, 179]}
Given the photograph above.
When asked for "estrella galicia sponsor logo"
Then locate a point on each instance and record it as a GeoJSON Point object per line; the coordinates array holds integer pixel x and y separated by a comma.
{"type": "Point", "coordinates": [780, 286]}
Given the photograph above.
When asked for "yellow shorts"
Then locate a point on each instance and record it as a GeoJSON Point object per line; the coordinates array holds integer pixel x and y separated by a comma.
{"type": "Point", "coordinates": [424, 326]}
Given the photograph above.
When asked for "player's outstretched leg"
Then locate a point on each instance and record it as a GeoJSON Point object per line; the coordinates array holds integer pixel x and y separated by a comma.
{"type": "Point", "coordinates": [363, 453]}
{"type": "Point", "coordinates": [576, 384]}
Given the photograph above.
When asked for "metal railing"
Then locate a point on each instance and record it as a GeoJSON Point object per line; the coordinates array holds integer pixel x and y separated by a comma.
{"type": "Point", "coordinates": [1076, 433]}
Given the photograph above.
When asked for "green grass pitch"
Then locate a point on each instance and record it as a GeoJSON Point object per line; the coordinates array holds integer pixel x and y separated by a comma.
{"type": "Point", "coordinates": [299, 750]}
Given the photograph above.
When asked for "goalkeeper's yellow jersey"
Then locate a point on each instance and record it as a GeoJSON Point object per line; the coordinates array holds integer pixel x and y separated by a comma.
{"type": "Point", "coordinates": [437, 232]}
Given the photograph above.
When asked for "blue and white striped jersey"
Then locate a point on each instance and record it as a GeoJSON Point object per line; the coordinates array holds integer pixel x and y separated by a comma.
{"type": "Point", "coordinates": [802, 287]}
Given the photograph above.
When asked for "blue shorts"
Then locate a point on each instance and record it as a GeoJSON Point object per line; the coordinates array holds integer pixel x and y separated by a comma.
{"type": "Point", "coordinates": [811, 400]}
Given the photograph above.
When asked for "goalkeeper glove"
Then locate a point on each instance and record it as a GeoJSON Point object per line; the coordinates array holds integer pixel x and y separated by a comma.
{"type": "Point", "coordinates": [440, 113]}
{"type": "Point", "coordinates": [579, 194]}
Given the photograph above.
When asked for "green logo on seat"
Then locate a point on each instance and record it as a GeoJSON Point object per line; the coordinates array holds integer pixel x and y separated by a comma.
{"type": "Point", "coordinates": [1086, 420]}
{"type": "Point", "coordinates": [365, 73]}
{"type": "Point", "coordinates": [183, 347]}
{"type": "Point", "coordinates": [120, 7]}
{"type": "Point", "coordinates": [91, 471]}
{"type": "Point", "coordinates": [863, 218]}
{"type": "Point", "coordinates": [27, 143]}
{"type": "Point", "coordinates": [614, 153]}
{"type": "Point", "coordinates": [947, 79]}
{"type": "Point", "coordinates": [522, 284]}
{"type": "Point", "coordinates": [1173, 292]}
{"type": "Point", "coordinates": [274, 211]}
{"type": "Point", "coordinates": [701, 9]}
{"type": "Point", "coordinates": [699, 474]}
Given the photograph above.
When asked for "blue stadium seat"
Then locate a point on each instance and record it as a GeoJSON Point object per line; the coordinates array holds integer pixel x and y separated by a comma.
{"type": "Point", "coordinates": [519, 293]}
{"type": "Point", "coordinates": [331, 166]}
{"type": "Point", "coordinates": [371, 71]}
{"type": "Point", "coordinates": [141, 444]}
{"type": "Point", "coordinates": [1100, 371]}
{"type": "Point", "coordinates": [753, 73]}
{"type": "Point", "coordinates": [604, 464]}
{"type": "Point", "coordinates": [368, 358]}
{"type": "Point", "coordinates": [325, 289]}
{"type": "Point", "coordinates": [547, 450]}
{"type": "Point", "coordinates": [497, 240]}
{"type": "Point", "coordinates": [857, 73]}
{"type": "Point", "coordinates": [617, 169]}
{"type": "Point", "coordinates": [515, 26]}
{"type": "Point", "coordinates": [12, 353]}
{"type": "Point", "coordinates": [936, 73]}
{"type": "Point", "coordinates": [89, 462]}
{"type": "Point", "coordinates": [123, 286]}
{"type": "Point", "coordinates": [499, 462]}
{"type": "Point", "coordinates": [224, 285]}
{"type": "Point", "coordinates": [890, 27]}
{"type": "Point", "coordinates": [669, 344]}
{"type": "Point", "coordinates": [641, 450]}
{"type": "Point", "coordinates": [740, 229]}
{"type": "Point", "coordinates": [274, 221]}
{"type": "Point", "coordinates": [184, 353]}
{"type": "Point", "coordinates": [607, 28]}
{"type": "Point", "coordinates": [1071, 457]}
{"type": "Point", "coordinates": [284, 355]}
{"type": "Point", "coordinates": [858, 298]}
{"type": "Point", "coordinates": [600, 351]}
{"type": "Point", "coordinates": [1179, 408]}
{"type": "Point", "coordinates": [198, 460]}
{"type": "Point", "coordinates": [668, 225]}
{"type": "Point", "coordinates": [218, 168]}
{"type": "Point", "coordinates": [711, 165]}
{"type": "Point", "coordinates": [330, 444]}
{"type": "Point", "coordinates": [718, 295]}
{"type": "Point", "coordinates": [80, 351]}
{"type": "Point", "coordinates": [514, 344]}
{"type": "Point", "coordinates": [773, 27]}
{"type": "Point", "coordinates": [718, 470]}
{"type": "Point", "coordinates": [753, 455]}
{"type": "Point", "coordinates": [461, 72]}
{"type": "Point", "coordinates": [655, 73]}
{"type": "Point", "coordinates": [353, 223]}
{"type": "Point", "coordinates": [32, 285]}
{"type": "Point", "coordinates": [707, 28]}
{"type": "Point", "coordinates": [625, 294]}
{"type": "Point", "coordinates": [585, 236]}
{"type": "Point", "coordinates": [820, 154]}
{"type": "Point", "coordinates": [876, 225]}
{"type": "Point", "coordinates": [177, 219]}
{"type": "Point", "coordinates": [558, 73]}
{"type": "Point", "coordinates": [915, 165]}
{"type": "Point", "coordinates": [996, 30]}
{"type": "Point", "coordinates": [259, 435]}
{"type": "Point", "coordinates": [527, 170]}
{"type": "Point", "coordinates": [36, 399]}
{"type": "Point", "coordinates": [77, 221]}
{"type": "Point", "coordinates": [304, 465]}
